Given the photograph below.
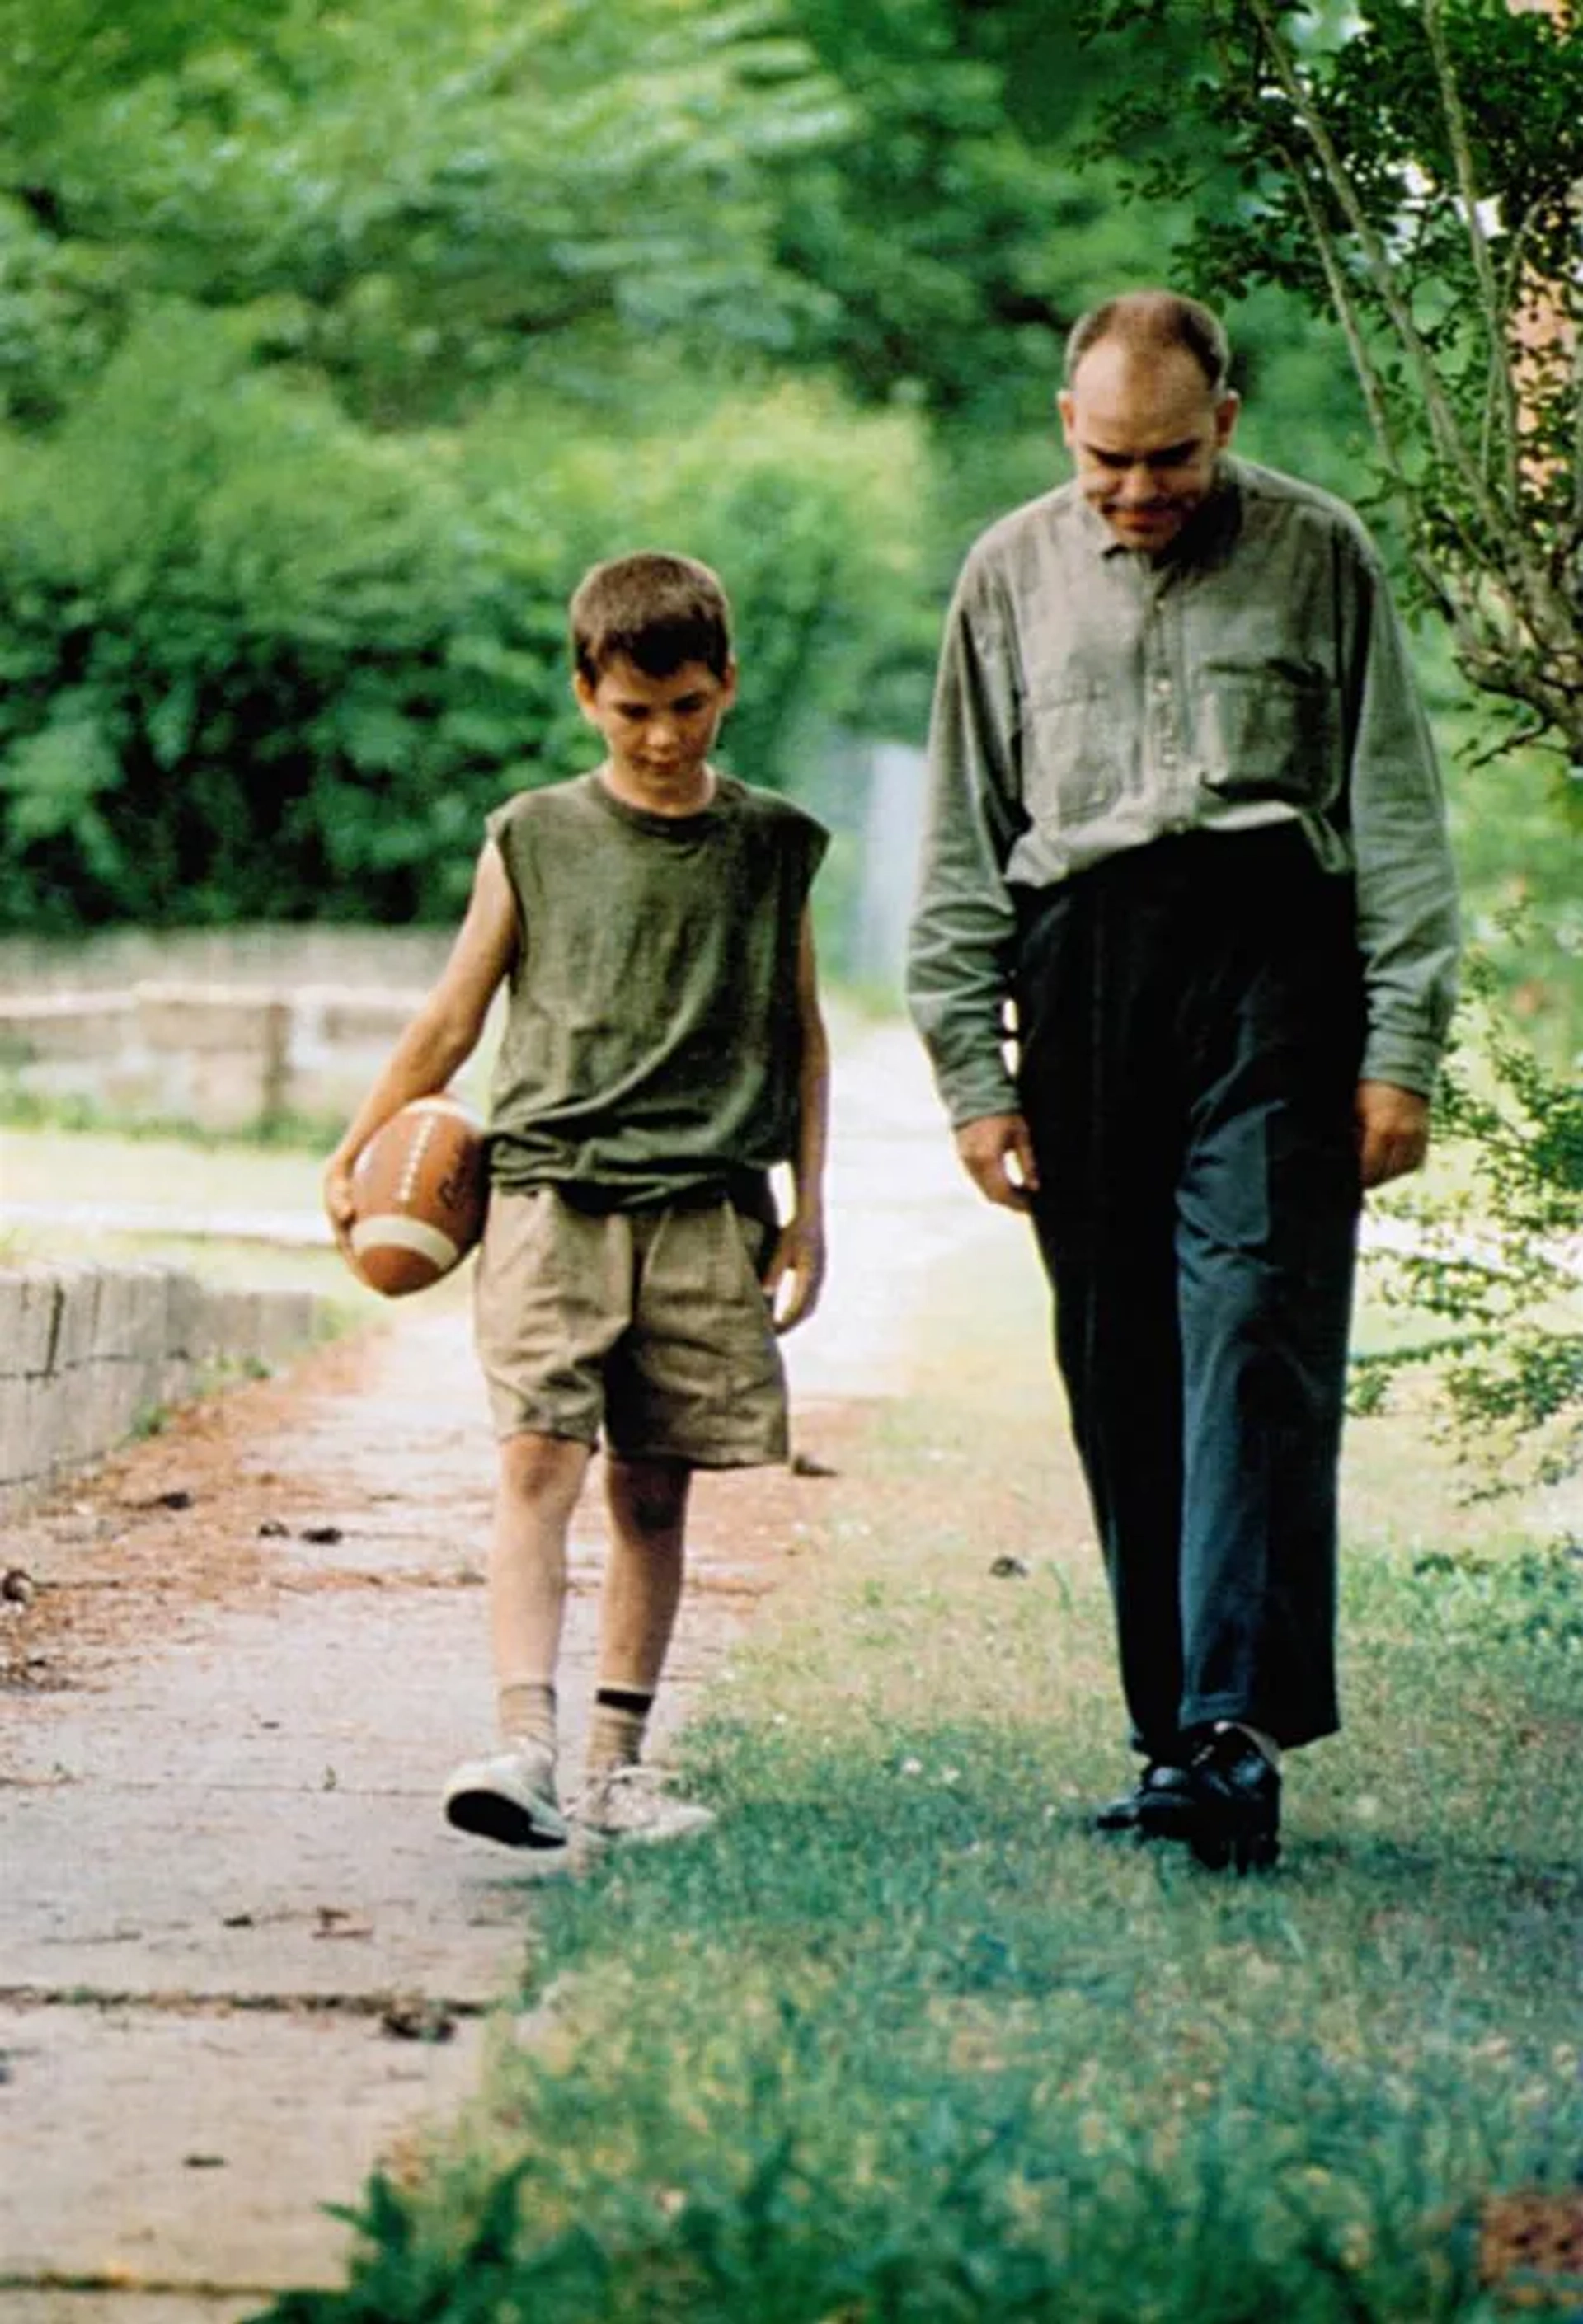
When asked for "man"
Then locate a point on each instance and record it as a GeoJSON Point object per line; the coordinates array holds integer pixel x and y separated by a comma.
{"type": "Point", "coordinates": [1185, 819]}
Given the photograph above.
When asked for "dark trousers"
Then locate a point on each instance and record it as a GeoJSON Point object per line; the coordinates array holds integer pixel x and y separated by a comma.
{"type": "Point", "coordinates": [1189, 1025]}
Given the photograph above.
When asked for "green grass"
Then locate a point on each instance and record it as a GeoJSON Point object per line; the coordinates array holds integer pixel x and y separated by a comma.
{"type": "Point", "coordinates": [56, 1161]}
{"type": "Point", "coordinates": [179, 1177]}
{"type": "Point", "coordinates": [84, 1117]}
{"type": "Point", "coordinates": [899, 2040]}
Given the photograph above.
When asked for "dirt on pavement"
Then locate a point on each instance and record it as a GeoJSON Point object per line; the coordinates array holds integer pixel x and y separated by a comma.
{"type": "Point", "coordinates": [198, 1516]}
{"type": "Point", "coordinates": [241, 1955]}
{"type": "Point", "coordinates": [244, 1955]}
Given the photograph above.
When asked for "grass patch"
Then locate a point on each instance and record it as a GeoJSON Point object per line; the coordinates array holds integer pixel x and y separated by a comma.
{"type": "Point", "coordinates": [899, 2040]}
{"type": "Point", "coordinates": [179, 1184]}
{"type": "Point", "coordinates": [81, 1116]}
{"type": "Point", "coordinates": [150, 1164]}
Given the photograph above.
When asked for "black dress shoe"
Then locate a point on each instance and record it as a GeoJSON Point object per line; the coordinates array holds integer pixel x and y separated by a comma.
{"type": "Point", "coordinates": [1232, 1806]}
{"type": "Point", "coordinates": [1155, 1809]}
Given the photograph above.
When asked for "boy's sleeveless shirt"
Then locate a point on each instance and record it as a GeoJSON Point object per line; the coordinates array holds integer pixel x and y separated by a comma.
{"type": "Point", "coordinates": [650, 1048]}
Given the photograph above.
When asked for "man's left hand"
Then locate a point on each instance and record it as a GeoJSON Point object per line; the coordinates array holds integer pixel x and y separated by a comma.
{"type": "Point", "coordinates": [796, 1272]}
{"type": "Point", "coordinates": [1393, 1131]}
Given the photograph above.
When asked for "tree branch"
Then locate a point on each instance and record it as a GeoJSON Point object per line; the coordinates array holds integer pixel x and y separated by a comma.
{"type": "Point", "coordinates": [1540, 613]}
{"type": "Point", "coordinates": [1447, 433]}
{"type": "Point", "coordinates": [1483, 272]}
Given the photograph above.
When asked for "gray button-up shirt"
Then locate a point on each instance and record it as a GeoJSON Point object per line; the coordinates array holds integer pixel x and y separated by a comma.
{"type": "Point", "coordinates": [1091, 698]}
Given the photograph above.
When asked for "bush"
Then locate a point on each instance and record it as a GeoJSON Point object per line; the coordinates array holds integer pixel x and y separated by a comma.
{"type": "Point", "coordinates": [262, 662]}
{"type": "Point", "coordinates": [1493, 1265]}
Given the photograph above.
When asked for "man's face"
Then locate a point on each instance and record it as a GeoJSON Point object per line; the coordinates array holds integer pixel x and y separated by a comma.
{"type": "Point", "coordinates": [1144, 432]}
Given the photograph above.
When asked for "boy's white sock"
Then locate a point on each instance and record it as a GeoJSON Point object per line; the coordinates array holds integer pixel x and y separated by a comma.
{"type": "Point", "coordinates": [527, 1713]}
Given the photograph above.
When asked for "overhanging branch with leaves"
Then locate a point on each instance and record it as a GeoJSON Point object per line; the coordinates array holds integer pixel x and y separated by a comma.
{"type": "Point", "coordinates": [1416, 168]}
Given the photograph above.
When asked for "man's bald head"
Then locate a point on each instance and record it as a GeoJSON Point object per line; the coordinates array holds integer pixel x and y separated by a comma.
{"type": "Point", "coordinates": [1149, 324]}
{"type": "Point", "coordinates": [1146, 413]}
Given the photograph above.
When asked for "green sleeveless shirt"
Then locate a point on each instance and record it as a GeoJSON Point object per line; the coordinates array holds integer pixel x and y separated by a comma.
{"type": "Point", "coordinates": [650, 1048]}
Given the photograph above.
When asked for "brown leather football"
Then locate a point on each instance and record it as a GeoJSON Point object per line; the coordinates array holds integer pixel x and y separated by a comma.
{"type": "Point", "coordinates": [419, 1188]}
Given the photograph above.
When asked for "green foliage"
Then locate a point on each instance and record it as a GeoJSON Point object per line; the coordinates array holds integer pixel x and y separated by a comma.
{"type": "Point", "coordinates": [952, 249]}
{"type": "Point", "coordinates": [1532, 1599]}
{"type": "Point", "coordinates": [422, 205]}
{"type": "Point", "coordinates": [814, 515]}
{"type": "Point", "coordinates": [235, 628]}
{"type": "Point", "coordinates": [763, 2233]}
{"type": "Point", "coordinates": [1411, 168]}
{"type": "Point", "coordinates": [1495, 1263]}
{"type": "Point", "coordinates": [335, 346]}
{"type": "Point", "coordinates": [1522, 901]}
{"type": "Point", "coordinates": [403, 2282]}
{"type": "Point", "coordinates": [263, 663]}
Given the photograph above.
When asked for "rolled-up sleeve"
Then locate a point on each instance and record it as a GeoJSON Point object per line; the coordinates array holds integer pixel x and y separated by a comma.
{"type": "Point", "coordinates": [1407, 918]}
{"type": "Point", "coordinates": [963, 930]}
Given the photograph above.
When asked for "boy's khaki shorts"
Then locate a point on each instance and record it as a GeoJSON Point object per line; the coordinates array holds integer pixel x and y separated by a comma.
{"type": "Point", "coordinates": [651, 1325]}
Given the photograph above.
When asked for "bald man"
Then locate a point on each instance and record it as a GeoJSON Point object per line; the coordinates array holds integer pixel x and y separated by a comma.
{"type": "Point", "coordinates": [1187, 842]}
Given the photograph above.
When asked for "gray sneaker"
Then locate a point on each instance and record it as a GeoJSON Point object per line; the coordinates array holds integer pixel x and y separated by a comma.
{"type": "Point", "coordinates": [630, 1803]}
{"type": "Point", "coordinates": [510, 1798]}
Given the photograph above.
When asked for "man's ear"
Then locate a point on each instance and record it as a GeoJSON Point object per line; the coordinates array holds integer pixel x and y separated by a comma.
{"type": "Point", "coordinates": [1067, 408]}
{"type": "Point", "coordinates": [728, 686]}
{"type": "Point", "coordinates": [584, 694]}
{"type": "Point", "coordinates": [1226, 412]}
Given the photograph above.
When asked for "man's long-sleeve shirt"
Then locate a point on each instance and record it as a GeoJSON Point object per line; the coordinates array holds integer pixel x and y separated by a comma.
{"type": "Point", "coordinates": [1090, 699]}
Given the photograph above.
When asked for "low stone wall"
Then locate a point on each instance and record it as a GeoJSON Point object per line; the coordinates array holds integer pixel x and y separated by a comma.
{"type": "Point", "coordinates": [89, 1354]}
{"type": "Point", "coordinates": [225, 1057]}
{"type": "Point", "coordinates": [268, 956]}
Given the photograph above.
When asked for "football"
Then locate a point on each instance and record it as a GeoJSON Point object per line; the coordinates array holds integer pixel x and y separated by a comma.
{"type": "Point", "coordinates": [420, 1187]}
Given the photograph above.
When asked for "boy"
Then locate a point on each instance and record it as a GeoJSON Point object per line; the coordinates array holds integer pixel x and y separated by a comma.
{"type": "Point", "coordinates": [663, 1050]}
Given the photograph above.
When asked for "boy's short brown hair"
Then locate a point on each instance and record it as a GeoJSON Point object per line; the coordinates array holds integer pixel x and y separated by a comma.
{"type": "Point", "coordinates": [657, 609]}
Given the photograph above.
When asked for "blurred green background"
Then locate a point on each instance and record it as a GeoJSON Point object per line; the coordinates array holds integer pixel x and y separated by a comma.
{"type": "Point", "coordinates": [335, 344]}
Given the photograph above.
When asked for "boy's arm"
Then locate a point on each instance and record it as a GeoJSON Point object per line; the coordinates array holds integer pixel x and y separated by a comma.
{"type": "Point", "coordinates": [444, 1034]}
{"type": "Point", "coordinates": [797, 1265]}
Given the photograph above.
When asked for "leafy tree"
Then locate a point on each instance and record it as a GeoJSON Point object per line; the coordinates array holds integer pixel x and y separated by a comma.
{"type": "Point", "coordinates": [335, 344]}
{"type": "Point", "coordinates": [1493, 1267]}
{"type": "Point", "coordinates": [420, 203]}
{"type": "Point", "coordinates": [948, 246]}
{"type": "Point", "coordinates": [1412, 168]}
{"type": "Point", "coordinates": [261, 663]}
{"type": "Point", "coordinates": [335, 341]}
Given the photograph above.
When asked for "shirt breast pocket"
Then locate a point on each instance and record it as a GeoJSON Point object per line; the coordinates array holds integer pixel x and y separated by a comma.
{"type": "Point", "coordinates": [1072, 763]}
{"type": "Point", "coordinates": [1270, 734]}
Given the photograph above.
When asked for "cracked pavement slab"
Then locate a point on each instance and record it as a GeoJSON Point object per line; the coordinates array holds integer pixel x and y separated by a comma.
{"type": "Point", "coordinates": [242, 1958]}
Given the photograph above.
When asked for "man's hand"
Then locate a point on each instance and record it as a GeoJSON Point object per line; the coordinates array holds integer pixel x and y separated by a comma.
{"type": "Point", "coordinates": [796, 1272]}
{"type": "Point", "coordinates": [1393, 1131]}
{"type": "Point", "coordinates": [996, 1152]}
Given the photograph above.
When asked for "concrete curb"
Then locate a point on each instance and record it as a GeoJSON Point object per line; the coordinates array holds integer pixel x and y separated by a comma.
{"type": "Point", "coordinates": [90, 1354]}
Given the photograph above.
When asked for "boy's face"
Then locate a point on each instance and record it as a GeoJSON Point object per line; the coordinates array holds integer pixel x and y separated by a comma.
{"type": "Point", "coordinates": [659, 731]}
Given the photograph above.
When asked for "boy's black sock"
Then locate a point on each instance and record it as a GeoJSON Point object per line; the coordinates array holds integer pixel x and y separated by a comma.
{"type": "Point", "coordinates": [615, 1732]}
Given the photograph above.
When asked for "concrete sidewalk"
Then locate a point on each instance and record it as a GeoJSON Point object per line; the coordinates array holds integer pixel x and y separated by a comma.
{"type": "Point", "coordinates": [243, 1957]}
